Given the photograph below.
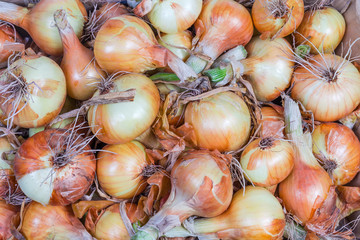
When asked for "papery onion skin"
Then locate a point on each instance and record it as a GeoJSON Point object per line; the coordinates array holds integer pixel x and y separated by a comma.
{"type": "Point", "coordinates": [277, 26]}
{"type": "Point", "coordinates": [122, 122]}
{"type": "Point", "coordinates": [180, 39]}
{"type": "Point", "coordinates": [221, 122]}
{"type": "Point", "coordinates": [170, 16]}
{"type": "Point", "coordinates": [44, 180]}
{"type": "Point", "coordinates": [337, 143]}
{"type": "Point", "coordinates": [46, 86]}
{"type": "Point", "coordinates": [120, 169]}
{"type": "Point", "coordinates": [272, 122]}
{"type": "Point", "coordinates": [52, 222]}
{"type": "Point", "coordinates": [269, 67]}
{"type": "Point", "coordinates": [328, 100]}
{"type": "Point", "coordinates": [7, 212]}
{"type": "Point", "coordinates": [323, 28]}
{"type": "Point", "coordinates": [267, 162]}
{"type": "Point", "coordinates": [39, 20]}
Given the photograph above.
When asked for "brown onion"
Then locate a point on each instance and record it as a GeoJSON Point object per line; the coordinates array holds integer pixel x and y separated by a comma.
{"type": "Point", "coordinates": [7, 212]}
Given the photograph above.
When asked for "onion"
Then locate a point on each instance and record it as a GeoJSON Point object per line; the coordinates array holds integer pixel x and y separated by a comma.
{"type": "Point", "coordinates": [222, 25]}
{"type": "Point", "coordinates": [321, 29]}
{"type": "Point", "coordinates": [221, 121]}
{"type": "Point", "coordinates": [8, 183]}
{"type": "Point", "coordinates": [55, 167]}
{"type": "Point", "coordinates": [33, 91]}
{"type": "Point", "coordinates": [269, 67]}
{"type": "Point", "coordinates": [39, 21]}
{"type": "Point", "coordinates": [277, 18]}
{"type": "Point", "coordinates": [338, 150]}
{"type": "Point", "coordinates": [9, 42]}
{"type": "Point", "coordinates": [267, 162]}
{"type": "Point", "coordinates": [201, 185]}
{"type": "Point", "coordinates": [81, 72]}
{"type": "Point", "coordinates": [307, 186]}
{"type": "Point", "coordinates": [170, 16]}
{"type": "Point", "coordinates": [327, 85]}
{"type": "Point", "coordinates": [122, 169]}
{"type": "Point", "coordinates": [272, 122]}
{"type": "Point", "coordinates": [122, 122]}
{"type": "Point", "coordinates": [127, 43]}
{"type": "Point", "coordinates": [52, 222]}
{"type": "Point", "coordinates": [7, 212]}
{"type": "Point", "coordinates": [177, 43]}
{"type": "Point", "coordinates": [253, 214]}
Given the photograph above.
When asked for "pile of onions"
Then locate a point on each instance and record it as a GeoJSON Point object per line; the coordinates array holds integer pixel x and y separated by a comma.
{"type": "Point", "coordinates": [277, 18]}
{"type": "Point", "coordinates": [221, 121]}
{"type": "Point", "coordinates": [201, 185]}
{"type": "Point", "coordinates": [327, 85]}
{"type": "Point", "coordinates": [33, 91]}
{"type": "Point", "coordinates": [338, 150]}
{"type": "Point", "coordinates": [55, 167]}
{"type": "Point", "coordinates": [81, 72]}
{"type": "Point", "coordinates": [122, 122]}
{"type": "Point", "coordinates": [38, 21]}
{"type": "Point", "coordinates": [269, 67]}
{"type": "Point", "coordinates": [267, 161]}
{"type": "Point", "coordinates": [122, 169]}
{"type": "Point", "coordinates": [222, 25]}
{"type": "Point", "coordinates": [48, 222]}
{"type": "Point", "coordinates": [322, 29]}
{"type": "Point", "coordinates": [255, 214]}
{"type": "Point", "coordinates": [170, 16]}
{"type": "Point", "coordinates": [7, 212]}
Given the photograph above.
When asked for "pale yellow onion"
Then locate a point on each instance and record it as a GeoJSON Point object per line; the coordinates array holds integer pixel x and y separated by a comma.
{"type": "Point", "coordinates": [176, 42]}
{"type": "Point", "coordinates": [170, 16]}
{"type": "Point", "coordinates": [221, 121]}
{"type": "Point", "coordinates": [44, 85]}
{"type": "Point", "coordinates": [269, 67]}
{"type": "Point", "coordinates": [338, 150]}
{"type": "Point", "coordinates": [267, 161]}
{"type": "Point", "coordinates": [321, 29]}
{"type": "Point", "coordinates": [122, 122]}
{"type": "Point", "coordinates": [327, 85]}
{"type": "Point", "coordinates": [253, 214]}
{"type": "Point", "coordinates": [121, 169]}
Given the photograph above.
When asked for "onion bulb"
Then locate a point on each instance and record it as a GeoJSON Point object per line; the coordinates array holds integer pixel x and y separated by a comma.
{"type": "Point", "coordinates": [277, 18]}
{"type": "Point", "coordinates": [52, 222]}
{"type": "Point", "coordinates": [55, 167]}
{"type": "Point", "coordinates": [269, 67]}
{"type": "Point", "coordinates": [127, 43]}
{"type": "Point", "coordinates": [33, 91]}
{"type": "Point", "coordinates": [122, 169]}
{"type": "Point", "coordinates": [122, 122]}
{"type": "Point", "coordinates": [201, 185]}
{"type": "Point", "coordinates": [39, 21]}
{"type": "Point", "coordinates": [177, 43]}
{"type": "Point", "coordinates": [272, 121]}
{"type": "Point", "coordinates": [221, 121]}
{"type": "Point", "coordinates": [7, 212]}
{"type": "Point", "coordinates": [222, 25]}
{"type": "Point", "coordinates": [308, 185]}
{"type": "Point", "coordinates": [170, 16]}
{"type": "Point", "coordinates": [327, 85]}
{"type": "Point", "coordinates": [81, 72]}
{"type": "Point", "coordinates": [338, 150]}
{"type": "Point", "coordinates": [253, 214]}
{"type": "Point", "coordinates": [267, 161]}
{"type": "Point", "coordinates": [321, 29]}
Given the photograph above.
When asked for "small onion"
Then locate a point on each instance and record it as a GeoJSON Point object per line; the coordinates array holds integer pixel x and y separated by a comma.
{"type": "Point", "coordinates": [121, 169]}
{"type": "Point", "coordinates": [267, 162]}
{"type": "Point", "coordinates": [122, 122]}
{"type": "Point", "coordinates": [170, 16]}
{"type": "Point", "coordinates": [321, 29]}
{"type": "Point", "coordinates": [36, 95]}
{"type": "Point", "coordinates": [328, 85]}
{"type": "Point", "coordinates": [55, 167]}
{"type": "Point", "coordinates": [52, 222]}
{"type": "Point", "coordinates": [221, 121]}
{"type": "Point", "coordinates": [338, 149]}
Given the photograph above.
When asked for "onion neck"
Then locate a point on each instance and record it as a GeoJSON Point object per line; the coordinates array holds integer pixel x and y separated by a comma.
{"type": "Point", "coordinates": [196, 63]}
{"type": "Point", "coordinates": [249, 65]}
{"type": "Point", "coordinates": [185, 73]}
{"type": "Point", "coordinates": [13, 13]}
